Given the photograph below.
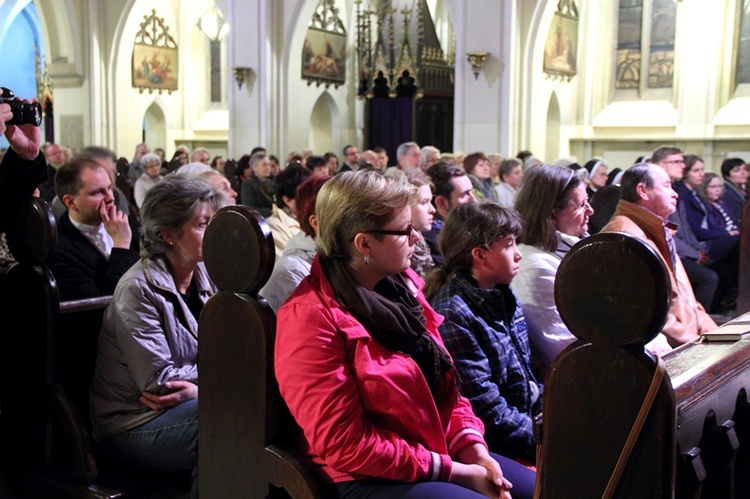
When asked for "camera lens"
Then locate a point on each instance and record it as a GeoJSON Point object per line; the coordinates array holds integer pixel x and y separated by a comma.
{"type": "Point", "coordinates": [25, 113]}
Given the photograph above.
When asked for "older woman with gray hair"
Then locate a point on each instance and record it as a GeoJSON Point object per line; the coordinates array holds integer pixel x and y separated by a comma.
{"type": "Point", "coordinates": [144, 394]}
{"type": "Point", "coordinates": [151, 165]}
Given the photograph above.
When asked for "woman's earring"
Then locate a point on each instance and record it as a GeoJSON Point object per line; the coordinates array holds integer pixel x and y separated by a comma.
{"type": "Point", "coordinates": [367, 260]}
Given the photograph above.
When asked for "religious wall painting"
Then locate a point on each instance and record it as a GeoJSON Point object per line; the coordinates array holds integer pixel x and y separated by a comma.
{"type": "Point", "coordinates": [324, 50]}
{"type": "Point", "coordinates": [155, 60]}
{"type": "Point", "coordinates": [561, 47]}
{"type": "Point", "coordinates": [324, 57]}
{"type": "Point", "coordinates": [154, 68]}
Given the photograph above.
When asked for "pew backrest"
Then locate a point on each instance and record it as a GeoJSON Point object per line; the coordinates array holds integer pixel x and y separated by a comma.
{"type": "Point", "coordinates": [246, 432]}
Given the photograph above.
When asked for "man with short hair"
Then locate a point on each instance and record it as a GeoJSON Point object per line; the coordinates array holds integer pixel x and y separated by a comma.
{"type": "Point", "coordinates": [646, 202]}
{"type": "Point", "coordinates": [96, 242]}
{"type": "Point", "coordinates": [450, 188]}
{"type": "Point", "coordinates": [382, 155]}
{"type": "Point", "coordinates": [107, 159]}
{"type": "Point", "coordinates": [351, 159]}
{"type": "Point", "coordinates": [408, 155]}
{"type": "Point", "coordinates": [705, 281]}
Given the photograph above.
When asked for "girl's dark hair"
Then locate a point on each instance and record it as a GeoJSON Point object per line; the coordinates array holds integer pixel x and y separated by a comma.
{"type": "Point", "coordinates": [286, 182]}
{"type": "Point", "coordinates": [469, 226]}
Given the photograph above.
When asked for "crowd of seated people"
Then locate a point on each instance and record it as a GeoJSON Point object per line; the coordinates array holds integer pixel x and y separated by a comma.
{"type": "Point", "coordinates": [355, 247]}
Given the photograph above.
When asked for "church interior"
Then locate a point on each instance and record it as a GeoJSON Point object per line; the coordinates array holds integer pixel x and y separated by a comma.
{"type": "Point", "coordinates": [567, 81]}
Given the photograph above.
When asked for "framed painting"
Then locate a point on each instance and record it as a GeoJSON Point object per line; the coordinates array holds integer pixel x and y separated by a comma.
{"type": "Point", "coordinates": [561, 48]}
{"type": "Point", "coordinates": [324, 57]}
{"type": "Point", "coordinates": [155, 67]}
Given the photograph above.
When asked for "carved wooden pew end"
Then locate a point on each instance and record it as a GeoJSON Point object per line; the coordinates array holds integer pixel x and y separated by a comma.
{"type": "Point", "coordinates": [245, 427]}
{"type": "Point", "coordinates": [618, 422]}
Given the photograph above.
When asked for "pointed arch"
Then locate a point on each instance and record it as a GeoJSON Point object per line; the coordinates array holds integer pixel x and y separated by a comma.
{"type": "Point", "coordinates": [324, 119]}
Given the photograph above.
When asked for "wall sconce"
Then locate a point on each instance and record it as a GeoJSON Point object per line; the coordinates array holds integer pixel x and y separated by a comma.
{"type": "Point", "coordinates": [241, 74]}
{"type": "Point", "coordinates": [477, 60]}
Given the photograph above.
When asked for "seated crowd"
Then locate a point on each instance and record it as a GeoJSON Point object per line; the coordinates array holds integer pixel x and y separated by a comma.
{"type": "Point", "coordinates": [416, 318]}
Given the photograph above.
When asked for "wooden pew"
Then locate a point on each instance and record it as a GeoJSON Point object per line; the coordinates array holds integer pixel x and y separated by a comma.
{"type": "Point", "coordinates": [48, 351]}
{"type": "Point", "coordinates": [612, 291]}
{"type": "Point", "coordinates": [246, 431]}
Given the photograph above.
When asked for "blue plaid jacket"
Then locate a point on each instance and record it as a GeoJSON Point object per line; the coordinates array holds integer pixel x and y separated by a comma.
{"type": "Point", "coordinates": [485, 333]}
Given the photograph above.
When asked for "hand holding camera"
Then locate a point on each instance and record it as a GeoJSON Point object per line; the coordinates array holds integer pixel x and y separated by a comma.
{"type": "Point", "coordinates": [19, 121]}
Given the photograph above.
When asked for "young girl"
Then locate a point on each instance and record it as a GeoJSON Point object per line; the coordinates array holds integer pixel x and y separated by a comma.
{"type": "Point", "coordinates": [484, 328]}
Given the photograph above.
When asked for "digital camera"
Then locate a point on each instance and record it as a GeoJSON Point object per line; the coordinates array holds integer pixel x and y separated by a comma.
{"type": "Point", "coordinates": [24, 113]}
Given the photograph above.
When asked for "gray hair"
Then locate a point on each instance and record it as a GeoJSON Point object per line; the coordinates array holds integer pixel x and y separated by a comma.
{"type": "Point", "coordinates": [169, 205]}
{"type": "Point", "coordinates": [149, 158]}
{"type": "Point", "coordinates": [403, 149]}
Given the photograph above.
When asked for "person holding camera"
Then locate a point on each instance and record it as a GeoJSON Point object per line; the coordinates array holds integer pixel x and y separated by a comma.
{"type": "Point", "coordinates": [23, 168]}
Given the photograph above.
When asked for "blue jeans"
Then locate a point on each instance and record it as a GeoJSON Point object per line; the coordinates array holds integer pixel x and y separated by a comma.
{"type": "Point", "coordinates": [519, 475]}
{"type": "Point", "coordinates": [168, 442]}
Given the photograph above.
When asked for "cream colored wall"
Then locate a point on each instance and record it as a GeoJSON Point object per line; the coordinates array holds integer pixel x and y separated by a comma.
{"type": "Point", "coordinates": [504, 110]}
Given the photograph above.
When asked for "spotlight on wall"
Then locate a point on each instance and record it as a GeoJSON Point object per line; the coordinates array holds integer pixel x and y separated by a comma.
{"type": "Point", "coordinates": [477, 60]}
{"type": "Point", "coordinates": [241, 73]}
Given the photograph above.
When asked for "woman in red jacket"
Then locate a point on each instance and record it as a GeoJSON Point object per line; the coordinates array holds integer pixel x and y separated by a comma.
{"type": "Point", "coordinates": [361, 365]}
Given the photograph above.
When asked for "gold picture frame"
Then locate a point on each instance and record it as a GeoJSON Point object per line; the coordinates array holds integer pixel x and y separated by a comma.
{"type": "Point", "coordinates": [561, 46]}
{"type": "Point", "coordinates": [155, 68]}
{"type": "Point", "coordinates": [155, 60]}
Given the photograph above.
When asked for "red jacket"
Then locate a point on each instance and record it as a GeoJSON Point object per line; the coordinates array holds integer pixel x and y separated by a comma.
{"type": "Point", "coordinates": [366, 411]}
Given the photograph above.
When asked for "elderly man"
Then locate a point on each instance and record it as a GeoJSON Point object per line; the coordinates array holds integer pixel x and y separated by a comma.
{"type": "Point", "coordinates": [646, 201]}
{"type": "Point", "coordinates": [408, 155]}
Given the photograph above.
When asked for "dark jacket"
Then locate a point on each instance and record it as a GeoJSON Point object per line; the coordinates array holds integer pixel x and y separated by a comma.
{"type": "Point", "coordinates": [257, 194]}
{"type": "Point", "coordinates": [79, 268]}
{"type": "Point", "coordinates": [18, 179]}
{"type": "Point", "coordinates": [734, 199]}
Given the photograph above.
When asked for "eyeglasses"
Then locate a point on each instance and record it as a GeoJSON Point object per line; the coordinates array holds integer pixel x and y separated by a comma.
{"type": "Point", "coordinates": [408, 231]}
{"type": "Point", "coordinates": [675, 161]}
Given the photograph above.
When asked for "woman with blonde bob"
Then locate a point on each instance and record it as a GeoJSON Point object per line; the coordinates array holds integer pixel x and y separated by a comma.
{"type": "Point", "coordinates": [361, 365]}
